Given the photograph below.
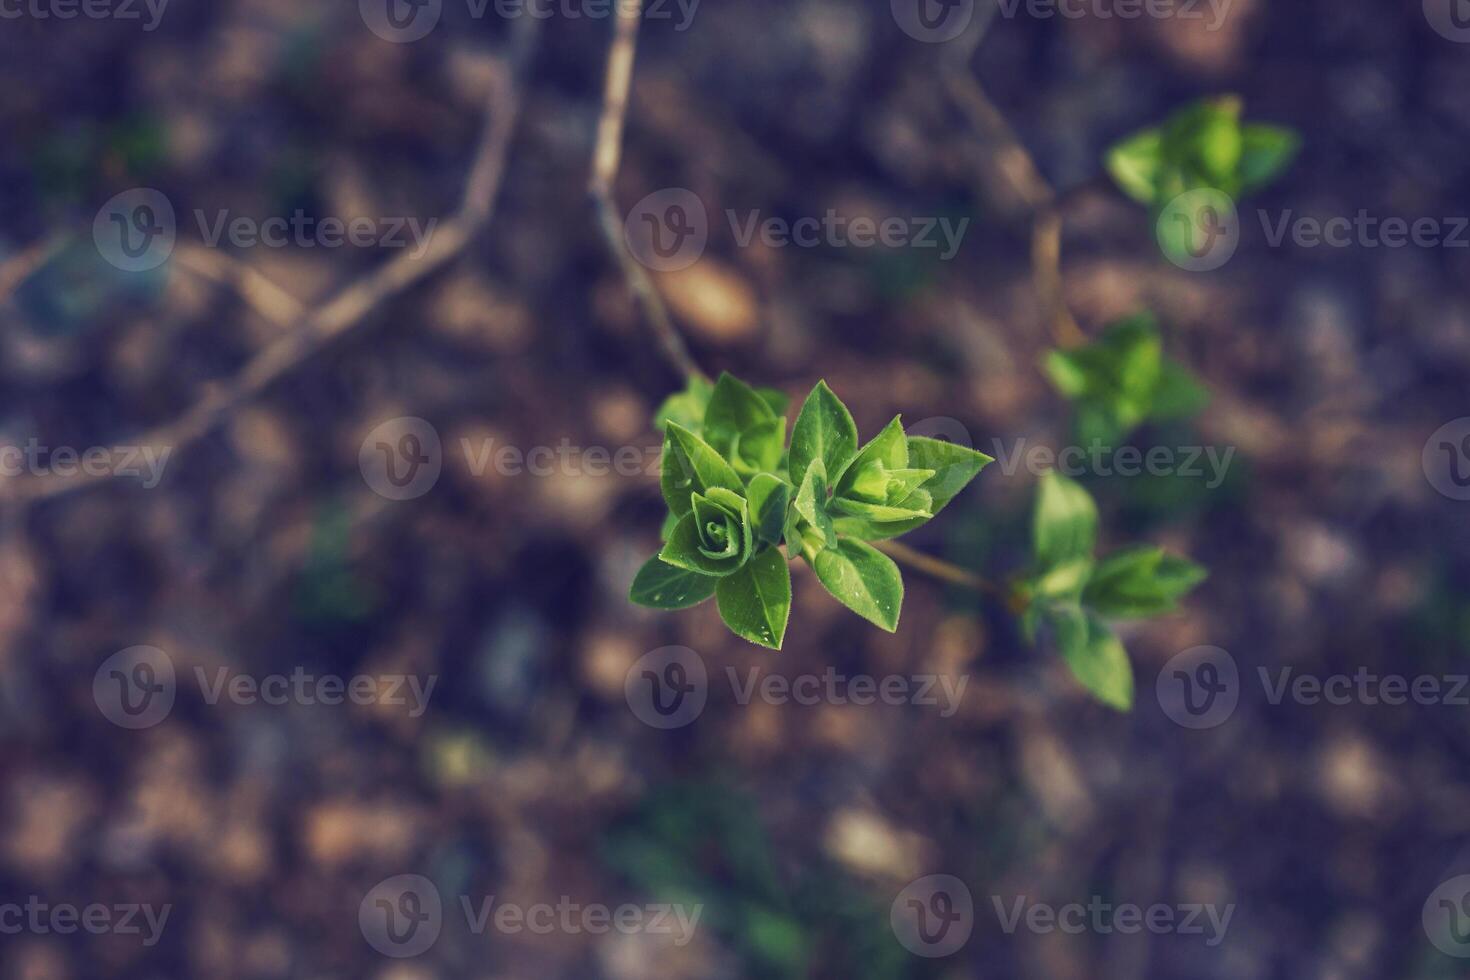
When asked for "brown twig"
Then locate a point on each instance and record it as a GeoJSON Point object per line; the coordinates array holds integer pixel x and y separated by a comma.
{"type": "Point", "coordinates": [605, 161]}
{"type": "Point", "coordinates": [258, 291]}
{"type": "Point", "coordinates": [351, 305]}
{"type": "Point", "coordinates": [940, 569]}
{"type": "Point", "coordinates": [1026, 180]}
{"type": "Point", "coordinates": [24, 264]}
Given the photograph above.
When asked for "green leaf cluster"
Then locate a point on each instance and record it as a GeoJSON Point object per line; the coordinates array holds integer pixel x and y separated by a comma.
{"type": "Point", "coordinates": [1122, 380]}
{"type": "Point", "coordinates": [738, 493]}
{"type": "Point", "coordinates": [1204, 145]}
{"type": "Point", "coordinates": [1073, 595]}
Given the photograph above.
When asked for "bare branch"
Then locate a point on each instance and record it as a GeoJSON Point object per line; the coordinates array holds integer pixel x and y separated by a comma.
{"type": "Point", "coordinates": [351, 305]}
{"type": "Point", "coordinates": [1026, 180]}
{"type": "Point", "coordinates": [605, 161]}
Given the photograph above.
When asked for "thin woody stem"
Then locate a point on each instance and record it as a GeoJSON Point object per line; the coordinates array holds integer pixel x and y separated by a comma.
{"type": "Point", "coordinates": [940, 569]}
{"type": "Point", "coordinates": [605, 161]}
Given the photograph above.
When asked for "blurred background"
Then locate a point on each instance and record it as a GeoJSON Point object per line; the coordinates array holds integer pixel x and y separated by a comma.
{"type": "Point", "coordinates": [274, 542]}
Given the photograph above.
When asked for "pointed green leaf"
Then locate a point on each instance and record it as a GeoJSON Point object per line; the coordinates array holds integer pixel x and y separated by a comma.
{"type": "Point", "coordinates": [775, 398]}
{"type": "Point", "coordinates": [1178, 394]}
{"type": "Point", "coordinates": [1096, 658]}
{"type": "Point", "coordinates": [704, 467]}
{"type": "Point", "coordinates": [1134, 164]}
{"type": "Point", "coordinates": [687, 407]}
{"type": "Point", "coordinates": [755, 602]}
{"type": "Point", "coordinates": [1065, 523]}
{"type": "Point", "coordinates": [1140, 582]}
{"type": "Point", "coordinates": [1266, 153]}
{"type": "Point", "coordinates": [863, 579]}
{"type": "Point", "coordinates": [824, 430]}
{"type": "Point", "coordinates": [1063, 581]}
{"type": "Point", "coordinates": [914, 508]}
{"type": "Point", "coordinates": [735, 409]}
{"type": "Point", "coordinates": [888, 450]}
{"type": "Point", "coordinates": [660, 585]}
{"type": "Point", "coordinates": [954, 467]}
{"type": "Point", "coordinates": [674, 479]}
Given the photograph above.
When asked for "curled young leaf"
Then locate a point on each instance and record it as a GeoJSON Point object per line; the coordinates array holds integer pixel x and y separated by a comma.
{"type": "Point", "coordinates": [715, 537]}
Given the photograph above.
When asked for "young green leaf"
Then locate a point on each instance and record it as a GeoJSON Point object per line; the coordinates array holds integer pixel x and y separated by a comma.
{"type": "Point", "coordinates": [660, 585]}
{"type": "Point", "coordinates": [733, 407]}
{"type": "Point", "coordinates": [1065, 524]}
{"type": "Point", "coordinates": [811, 502]}
{"type": "Point", "coordinates": [705, 468]}
{"type": "Point", "coordinates": [687, 407]}
{"type": "Point", "coordinates": [1096, 658]}
{"type": "Point", "coordinates": [1266, 153]}
{"type": "Point", "coordinates": [1121, 380]}
{"type": "Point", "coordinates": [755, 602]}
{"type": "Point", "coordinates": [757, 448]}
{"type": "Point", "coordinates": [1135, 163]}
{"type": "Point", "coordinates": [954, 467]}
{"type": "Point", "coordinates": [768, 496]}
{"type": "Point", "coordinates": [1140, 582]}
{"type": "Point", "coordinates": [824, 430]}
{"type": "Point", "coordinates": [863, 579]}
{"type": "Point", "coordinates": [715, 538]}
{"type": "Point", "coordinates": [888, 450]}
